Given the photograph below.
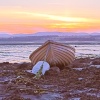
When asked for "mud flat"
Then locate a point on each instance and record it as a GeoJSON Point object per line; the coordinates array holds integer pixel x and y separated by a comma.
{"type": "Point", "coordinates": [78, 81]}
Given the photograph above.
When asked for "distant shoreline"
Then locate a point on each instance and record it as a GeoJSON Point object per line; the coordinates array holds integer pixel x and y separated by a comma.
{"type": "Point", "coordinates": [40, 43]}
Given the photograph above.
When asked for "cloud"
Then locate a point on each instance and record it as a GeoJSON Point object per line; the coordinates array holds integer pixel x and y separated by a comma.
{"type": "Point", "coordinates": [58, 18]}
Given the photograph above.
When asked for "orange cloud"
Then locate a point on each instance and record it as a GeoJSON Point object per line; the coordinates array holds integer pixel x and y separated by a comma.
{"type": "Point", "coordinates": [29, 22]}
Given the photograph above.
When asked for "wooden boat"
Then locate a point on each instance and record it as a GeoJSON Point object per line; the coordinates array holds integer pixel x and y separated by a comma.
{"type": "Point", "coordinates": [56, 54]}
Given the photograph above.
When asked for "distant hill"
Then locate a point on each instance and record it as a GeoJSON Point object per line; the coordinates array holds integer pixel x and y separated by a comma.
{"type": "Point", "coordinates": [7, 35]}
{"type": "Point", "coordinates": [41, 37]}
{"type": "Point", "coordinates": [50, 33]}
{"type": "Point", "coordinates": [59, 34]}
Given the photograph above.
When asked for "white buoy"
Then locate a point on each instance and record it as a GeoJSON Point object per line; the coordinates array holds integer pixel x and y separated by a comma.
{"type": "Point", "coordinates": [38, 66]}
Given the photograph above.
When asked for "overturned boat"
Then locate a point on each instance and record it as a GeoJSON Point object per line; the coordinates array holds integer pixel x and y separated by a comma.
{"type": "Point", "coordinates": [56, 54]}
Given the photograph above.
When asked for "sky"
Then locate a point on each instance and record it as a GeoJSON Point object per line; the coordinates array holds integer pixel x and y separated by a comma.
{"type": "Point", "coordinates": [31, 16]}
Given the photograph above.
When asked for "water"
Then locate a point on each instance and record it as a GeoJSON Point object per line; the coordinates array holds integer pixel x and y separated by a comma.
{"type": "Point", "coordinates": [16, 53]}
{"type": "Point", "coordinates": [87, 50]}
{"type": "Point", "coordinates": [20, 53]}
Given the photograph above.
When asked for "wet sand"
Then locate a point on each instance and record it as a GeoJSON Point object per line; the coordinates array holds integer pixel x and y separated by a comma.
{"type": "Point", "coordinates": [78, 81]}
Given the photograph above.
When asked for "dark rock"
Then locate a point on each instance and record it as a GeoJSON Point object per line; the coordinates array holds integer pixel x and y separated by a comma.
{"type": "Point", "coordinates": [96, 62]}
{"type": "Point", "coordinates": [56, 69]}
{"type": "Point", "coordinates": [69, 67]}
{"type": "Point", "coordinates": [14, 97]}
{"type": "Point", "coordinates": [4, 63]}
{"type": "Point", "coordinates": [53, 71]}
{"type": "Point", "coordinates": [24, 65]}
{"type": "Point", "coordinates": [84, 60]}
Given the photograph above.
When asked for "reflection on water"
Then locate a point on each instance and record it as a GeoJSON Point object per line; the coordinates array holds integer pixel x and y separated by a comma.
{"type": "Point", "coordinates": [16, 53]}
{"type": "Point", "coordinates": [87, 50]}
{"type": "Point", "coordinates": [20, 53]}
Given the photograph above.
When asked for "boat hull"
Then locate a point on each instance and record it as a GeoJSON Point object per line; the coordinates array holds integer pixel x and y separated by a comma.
{"type": "Point", "coordinates": [56, 54]}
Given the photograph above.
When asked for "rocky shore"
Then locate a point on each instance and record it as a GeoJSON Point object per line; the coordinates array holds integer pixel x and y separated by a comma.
{"type": "Point", "coordinates": [78, 81]}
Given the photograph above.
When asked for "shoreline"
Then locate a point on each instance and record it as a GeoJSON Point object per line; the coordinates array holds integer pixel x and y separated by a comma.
{"type": "Point", "coordinates": [76, 58]}
{"type": "Point", "coordinates": [79, 80]}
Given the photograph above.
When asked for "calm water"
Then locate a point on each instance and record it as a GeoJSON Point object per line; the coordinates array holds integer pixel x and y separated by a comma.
{"type": "Point", "coordinates": [20, 53]}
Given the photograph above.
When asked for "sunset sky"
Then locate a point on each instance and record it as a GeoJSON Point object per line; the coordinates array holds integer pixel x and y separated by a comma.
{"type": "Point", "coordinates": [30, 16]}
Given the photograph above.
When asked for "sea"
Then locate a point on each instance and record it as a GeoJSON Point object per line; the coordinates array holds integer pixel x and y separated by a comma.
{"type": "Point", "coordinates": [18, 53]}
